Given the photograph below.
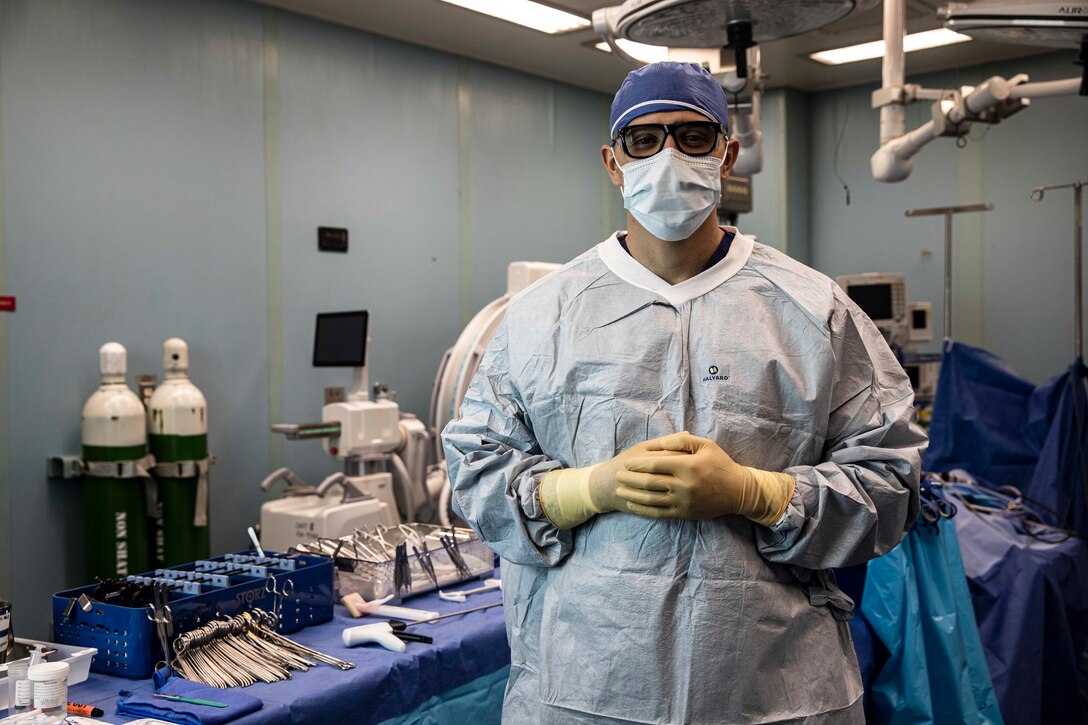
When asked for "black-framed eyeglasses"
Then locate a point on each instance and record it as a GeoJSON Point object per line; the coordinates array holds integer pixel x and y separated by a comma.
{"type": "Point", "coordinates": [694, 138]}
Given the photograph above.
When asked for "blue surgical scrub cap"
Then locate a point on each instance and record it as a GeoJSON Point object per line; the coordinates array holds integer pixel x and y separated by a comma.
{"type": "Point", "coordinates": [668, 86]}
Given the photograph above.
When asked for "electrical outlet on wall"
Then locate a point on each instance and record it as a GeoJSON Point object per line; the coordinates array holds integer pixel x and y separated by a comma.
{"type": "Point", "coordinates": [332, 239]}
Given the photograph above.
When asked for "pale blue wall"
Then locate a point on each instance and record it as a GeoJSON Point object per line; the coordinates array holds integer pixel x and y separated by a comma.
{"type": "Point", "coordinates": [369, 142]}
{"type": "Point", "coordinates": [134, 189]}
{"type": "Point", "coordinates": [1013, 292]}
{"type": "Point", "coordinates": [780, 192]}
{"type": "Point", "coordinates": [153, 154]}
{"type": "Point", "coordinates": [431, 138]}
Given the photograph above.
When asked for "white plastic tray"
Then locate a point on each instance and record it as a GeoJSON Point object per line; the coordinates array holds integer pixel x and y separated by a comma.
{"type": "Point", "coordinates": [78, 659]}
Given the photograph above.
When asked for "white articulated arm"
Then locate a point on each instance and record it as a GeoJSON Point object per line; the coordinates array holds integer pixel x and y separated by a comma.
{"type": "Point", "coordinates": [747, 130]}
{"type": "Point", "coordinates": [1067, 87]}
{"type": "Point", "coordinates": [893, 116]}
{"type": "Point", "coordinates": [894, 160]}
{"type": "Point", "coordinates": [992, 100]}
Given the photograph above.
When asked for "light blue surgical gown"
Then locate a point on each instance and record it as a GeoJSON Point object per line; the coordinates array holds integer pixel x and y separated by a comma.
{"type": "Point", "coordinates": [630, 619]}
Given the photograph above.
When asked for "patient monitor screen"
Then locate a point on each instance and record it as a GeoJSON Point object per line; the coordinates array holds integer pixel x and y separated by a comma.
{"type": "Point", "coordinates": [340, 340]}
{"type": "Point", "coordinates": [874, 300]}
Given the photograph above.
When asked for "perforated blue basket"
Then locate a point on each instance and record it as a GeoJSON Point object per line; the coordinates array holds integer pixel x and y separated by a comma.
{"type": "Point", "coordinates": [125, 636]}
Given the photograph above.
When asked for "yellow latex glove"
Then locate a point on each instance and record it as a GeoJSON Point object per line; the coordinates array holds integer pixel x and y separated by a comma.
{"type": "Point", "coordinates": [705, 484]}
{"type": "Point", "coordinates": [572, 496]}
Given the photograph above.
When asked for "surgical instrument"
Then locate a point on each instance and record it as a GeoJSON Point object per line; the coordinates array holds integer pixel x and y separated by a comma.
{"type": "Point", "coordinates": [396, 624]}
{"type": "Point", "coordinates": [384, 634]}
{"type": "Point", "coordinates": [359, 607]}
{"type": "Point", "coordinates": [243, 650]}
{"type": "Point", "coordinates": [190, 700]}
{"type": "Point", "coordinates": [256, 542]}
{"type": "Point", "coordinates": [425, 563]}
{"type": "Point", "coordinates": [489, 585]}
{"type": "Point", "coordinates": [454, 552]}
{"type": "Point", "coordinates": [287, 589]}
{"type": "Point", "coordinates": [159, 613]}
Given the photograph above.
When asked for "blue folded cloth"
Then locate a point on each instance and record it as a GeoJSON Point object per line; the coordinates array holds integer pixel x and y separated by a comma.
{"type": "Point", "coordinates": [144, 705]}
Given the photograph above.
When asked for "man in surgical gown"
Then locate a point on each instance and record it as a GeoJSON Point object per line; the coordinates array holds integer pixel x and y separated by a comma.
{"type": "Point", "coordinates": [671, 441]}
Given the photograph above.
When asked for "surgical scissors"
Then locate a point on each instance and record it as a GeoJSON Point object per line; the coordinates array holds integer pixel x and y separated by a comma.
{"type": "Point", "coordinates": [934, 508]}
{"type": "Point", "coordinates": [933, 504]}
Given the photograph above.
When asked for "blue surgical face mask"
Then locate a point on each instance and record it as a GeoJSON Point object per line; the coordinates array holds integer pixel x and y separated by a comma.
{"type": "Point", "coordinates": [670, 193]}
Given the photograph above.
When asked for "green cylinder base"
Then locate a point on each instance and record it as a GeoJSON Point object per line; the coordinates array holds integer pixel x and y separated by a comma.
{"type": "Point", "coordinates": [178, 541]}
{"type": "Point", "coordinates": [181, 541]}
{"type": "Point", "coordinates": [174, 448]}
{"type": "Point", "coordinates": [115, 513]}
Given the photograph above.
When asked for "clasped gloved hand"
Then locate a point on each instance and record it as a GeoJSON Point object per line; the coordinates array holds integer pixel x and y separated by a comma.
{"type": "Point", "coordinates": [572, 496]}
{"type": "Point", "coordinates": [705, 484]}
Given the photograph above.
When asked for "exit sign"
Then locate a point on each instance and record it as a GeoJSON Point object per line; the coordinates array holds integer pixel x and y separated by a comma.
{"type": "Point", "coordinates": [7, 304]}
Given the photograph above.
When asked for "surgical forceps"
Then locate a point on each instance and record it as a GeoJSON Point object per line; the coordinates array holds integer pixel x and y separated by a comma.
{"type": "Point", "coordinates": [159, 613]}
{"type": "Point", "coordinates": [286, 590]}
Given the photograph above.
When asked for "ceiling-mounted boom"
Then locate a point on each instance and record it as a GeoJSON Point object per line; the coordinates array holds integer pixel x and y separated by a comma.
{"type": "Point", "coordinates": [1051, 24]}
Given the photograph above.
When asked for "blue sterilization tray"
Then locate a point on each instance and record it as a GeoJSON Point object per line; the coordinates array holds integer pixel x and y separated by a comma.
{"type": "Point", "coordinates": [125, 637]}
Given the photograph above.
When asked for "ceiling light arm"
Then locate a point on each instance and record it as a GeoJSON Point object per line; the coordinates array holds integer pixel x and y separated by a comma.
{"type": "Point", "coordinates": [619, 52]}
{"type": "Point", "coordinates": [892, 104]}
{"type": "Point", "coordinates": [604, 24]}
{"type": "Point", "coordinates": [747, 129]}
{"type": "Point", "coordinates": [1066, 87]}
{"type": "Point", "coordinates": [952, 115]}
{"type": "Point", "coordinates": [746, 95]}
{"type": "Point", "coordinates": [739, 37]}
{"type": "Point", "coordinates": [894, 160]}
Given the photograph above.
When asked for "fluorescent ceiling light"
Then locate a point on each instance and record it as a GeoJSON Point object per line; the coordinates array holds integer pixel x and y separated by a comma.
{"type": "Point", "coordinates": [866, 51]}
{"type": "Point", "coordinates": [525, 12]}
{"type": "Point", "coordinates": [640, 51]}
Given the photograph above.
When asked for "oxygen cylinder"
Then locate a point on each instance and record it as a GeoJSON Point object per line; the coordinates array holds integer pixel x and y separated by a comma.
{"type": "Point", "coordinates": [114, 482]}
{"type": "Point", "coordinates": [178, 435]}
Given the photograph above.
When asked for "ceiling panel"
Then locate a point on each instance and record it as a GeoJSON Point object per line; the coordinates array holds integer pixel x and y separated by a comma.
{"type": "Point", "coordinates": [571, 57]}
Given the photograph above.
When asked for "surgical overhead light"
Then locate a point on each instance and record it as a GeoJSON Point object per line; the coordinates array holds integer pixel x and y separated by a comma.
{"type": "Point", "coordinates": [526, 13]}
{"type": "Point", "coordinates": [1048, 24]}
{"type": "Point", "coordinates": [738, 25]}
{"type": "Point", "coordinates": [876, 49]}
{"type": "Point", "coordinates": [639, 51]}
{"type": "Point", "coordinates": [734, 24]}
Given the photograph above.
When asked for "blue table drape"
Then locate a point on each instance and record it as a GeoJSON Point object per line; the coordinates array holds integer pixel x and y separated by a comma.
{"type": "Point", "coordinates": [384, 685]}
{"type": "Point", "coordinates": [917, 604]}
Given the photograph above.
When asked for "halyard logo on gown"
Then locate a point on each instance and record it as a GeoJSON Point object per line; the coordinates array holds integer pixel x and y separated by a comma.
{"type": "Point", "coordinates": [714, 374]}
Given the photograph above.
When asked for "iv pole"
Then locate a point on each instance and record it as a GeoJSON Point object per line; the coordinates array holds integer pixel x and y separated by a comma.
{"type": "Point", "coordinates": [948, 212]}
{"type": "Point", "coordinates": [1076, 186]}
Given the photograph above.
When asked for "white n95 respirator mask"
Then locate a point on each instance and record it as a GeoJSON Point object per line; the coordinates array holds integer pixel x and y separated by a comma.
{"type": "Point", "coordinates": [670, 193]}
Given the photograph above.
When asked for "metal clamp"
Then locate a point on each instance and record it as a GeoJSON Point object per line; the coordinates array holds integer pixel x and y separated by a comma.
{"type": "Point", "coordinates": [139, 468]}
{"type": "Point", "coordinates": [65, 467]}
{"type": "Point", "coordinates": [183, 469]}
{"type": "Point", "coordinates": [191, 469]}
